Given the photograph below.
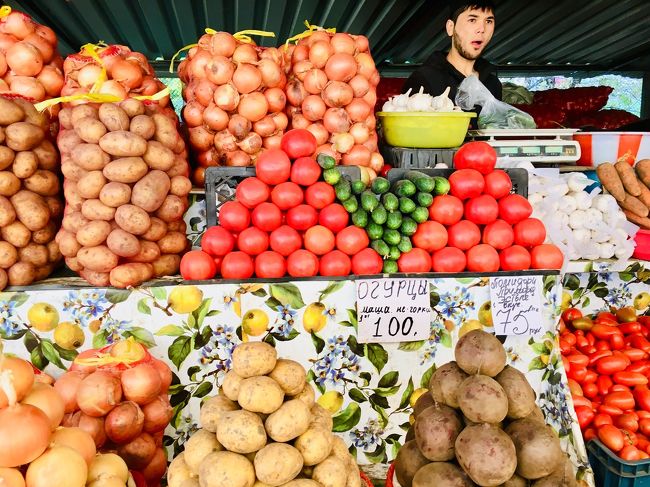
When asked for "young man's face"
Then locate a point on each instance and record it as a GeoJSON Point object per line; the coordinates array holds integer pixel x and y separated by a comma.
{"type": "Point", "coordinates": [471, 32]}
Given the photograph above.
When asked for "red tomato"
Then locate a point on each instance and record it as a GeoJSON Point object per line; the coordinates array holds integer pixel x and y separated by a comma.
{"type": "Point", "coordinates": [217, 262]}
{"type": "Point", "coordinates": [251, 192]}
{"type": "Point", "coordinates": [352, 240]}
{"type": "Point", "coordinates": [585, 416]}
{"type": "Point", "coordinates": [298, 143]}
{"type": "Point", "coordinates": [627, 422]}
{"type": "Point", "coordinates": [514, 208]}
{"type": "Point", "coordinates": [285, 240]}
{"type": "Point", "coordinates": [197, 265]}
{"type": "Point", "coordinates": [217, 241]}
{"type": "Point", "coordinates": [530, 232]}
{"type": "Point", "coordinates": [602, 419]}
{"type": "Point", "coordinates": [302, 217]}
{"type": "Point", "coordinates": [430, 236]}
{"type": "Point", "coordinates": [335, 263]}
{"type": "Point", "coordinates": [319, 239]}
{"type": "Point", "coordinates": [273, 167]}
{"type": "Point", "coordinates": [476, 155]}
{"type": "Point", "coordinates": [253, 241]}
{"type": "Point", "coordinates": [482, 258]}
{"type": "Point", "coordinates": [270, 264]}
{"type": "Point", "coordinates": [515, 258]}
{"type": "Point", "coordinates": [334, 217]}
{"type": "Point", "coordinates": [466, 183]}
{"type": "Point", "coordinates": [546, 256]}
{"type": "Point", "coordinates": [302, 263]}
{"type": "Point", "coordinates": [482, 209]}
{"type": "Point", "coordinates": [237, 265]}
{"type": "Point", "coordinates": [497, 184]}
{"type": "Point", "coordinates": [367, 262]}
{"type": "Point", "coordinates": [415, 260]}
{"type": "Point", "coordinates": [612, 437]}
{"type": "Point", "coordinates": [644, 426]}
{"type": "Point", "coordinates": [446, 209]}
{"type": "Point", "coordinates": [383, 172]}
{"type": "Point", "coordinates": [305, 171]}
{"type": "Point", "coordinates": [642, 397]}
{"type": "Point", "coordinates": [571, 314]}
{"type": "Point", "coordinates": [611, 364]}
{"type": "Point", "coordinates": [234, 216]}
{"type": "Point", "coordinates": [449, 259]}
{"type": "Point", "coordinates": [620, 399]}
{"type": "Point", "coordinates": [464, 235]}
{"type": "Point", "coordinates": [320, 195]}
{"type": "Point", "coordinates": [498, 234]}
{"type": "Point", "coordinates": [630, 379]}
{"type": "Point", "coordinates": [287, 195]}
{"type": "Point", "coordinates": [266, 216]}
{"type": "Point", "coordinates": [630, 453]}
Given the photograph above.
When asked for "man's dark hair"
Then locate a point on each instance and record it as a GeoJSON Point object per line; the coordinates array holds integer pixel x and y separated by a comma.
{"type": "Point", "coordinates": [457, 7]}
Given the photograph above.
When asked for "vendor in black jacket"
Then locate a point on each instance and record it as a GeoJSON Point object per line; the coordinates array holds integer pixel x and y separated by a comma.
{"type": "Point", "coordinates": [470, 26]}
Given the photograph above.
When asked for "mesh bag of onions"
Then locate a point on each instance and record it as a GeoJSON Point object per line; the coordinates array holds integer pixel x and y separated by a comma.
{"type": "Point", "coordinates": [331, 91]}
{"type": "Point", "coordinates": [31, 206]}
{"type": "Point", "coordinates": [30, 64]}
{"type": "Point", "coordinates": [234, 95]}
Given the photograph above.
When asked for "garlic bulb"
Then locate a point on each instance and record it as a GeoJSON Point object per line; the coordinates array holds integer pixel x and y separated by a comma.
{"type": "Point", "coordinates": [420, 102]}
{"type": "Point", "coordinates": [442, 103]}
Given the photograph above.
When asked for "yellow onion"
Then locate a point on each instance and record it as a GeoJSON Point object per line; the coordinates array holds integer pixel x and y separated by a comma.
{"type": "Point", "coordinates": [342, 42]}
{"type": "Point", "coordinates": [244, 53]}
{"type": "Point", "coordinates": [17, 375]}
{"type": "Point", "coordinates": [124, 423]}
{"type": "Point", "coordinates": [94, 427]}
{"type": "Point", "coordinates": [77, 439]}
{"type": "Point", "coordinates": [247, 78]}
{"type": "Point", "coordinates": [26, 431]}
{"type": "Point", "coordinates": [45, 398]}
{"type": "Point", "coordinates": [341, 67]}
{"type": "Point", "coordinates": [253, 106]}
{"type": "Point", "coordinates": [87, 76]}
{"type": "Point", "coordinates": [216, 119]}
{"type": "Point", "coordinates": [320, 52]}
{"type": "Point", "coordinates": [99, 393]}
{"type": "Point", "coordinates": [58, 467]}
{"type": "Point", "coordinates": [11, 477]}
{"type": "Point", "coordinates": [313, 108]}
{"type": "Point", "coordinates": [219, 70]}
{"type": "Point", "coordinates": [276, 99]}
{"type": "Point", "coordinates": [157, 414]}
{"type": "Point", "coordinates": [155, 470]}
{"type": "Point", "coordinates": [223, 44]}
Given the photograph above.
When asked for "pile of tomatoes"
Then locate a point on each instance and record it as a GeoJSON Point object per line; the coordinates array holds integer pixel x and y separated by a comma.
{"type": "Point", "coordinates": [606, 359]}
{"type": "Point", "coordinates": [284, 221]}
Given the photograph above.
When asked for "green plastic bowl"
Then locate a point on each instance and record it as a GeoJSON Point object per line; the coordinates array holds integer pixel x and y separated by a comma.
{"type": "Point", "coordinates": [425, 130]}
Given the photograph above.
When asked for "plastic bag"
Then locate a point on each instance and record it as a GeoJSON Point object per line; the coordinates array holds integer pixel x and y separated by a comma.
{"type": "Point", "coordinates": [494, 113]}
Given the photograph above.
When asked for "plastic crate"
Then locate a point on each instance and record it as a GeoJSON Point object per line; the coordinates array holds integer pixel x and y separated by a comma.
{"type": "Point", "coordinates": [403, 157]}
{"type": "Point", "coordinates": [612, 471]}
{"type": "Point", "coordinates": [221, 183]}
{"type": "Point", "coordinates": [518, 176]}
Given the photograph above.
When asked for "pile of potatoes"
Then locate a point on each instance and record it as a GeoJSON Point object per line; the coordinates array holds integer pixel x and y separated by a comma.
{"type": "Point", "coordinates": [126, 186]}
{"type": "Point", "coordinates": [480, 425]}
{"type": "Point", "coordinates": [30, 203]}
{"type": "Point", "coordinates": [264, 429]}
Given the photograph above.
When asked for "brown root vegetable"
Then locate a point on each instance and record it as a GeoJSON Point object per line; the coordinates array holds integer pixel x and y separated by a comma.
{"type": "Point", "coordinates": [628, 177]}
{"type": "Point", "coordinates": [407, 463]}
{"type": "Point", "coordinates": [436, 429]}
{"type": "Point", "coordinates": [521, 397]}
{"type": "Point", "coordinates": [439, 474]}
{"type": "Point", "coordinates": [487, 454]}
{"type": "Point", "coordinates": [445, 382]}
{"type": "Point", "coordinates": [611, 181]}
{"type": "Point", "coordinates": [538, 448]}
{"type": "Point", "coordinates": [479, 352]}
{"type": "Point", "coordinates": [124, 423]}
{"type": "Point", "coordinates": [138, 452]}
{"type": "Point", "coordinates": [482, 400]}
{"type": "Point", "coordinates": [241, 431]}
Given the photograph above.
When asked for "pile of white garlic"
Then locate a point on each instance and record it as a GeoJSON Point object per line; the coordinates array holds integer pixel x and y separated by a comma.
{"type": "Point", "coordinates": [420, 102]}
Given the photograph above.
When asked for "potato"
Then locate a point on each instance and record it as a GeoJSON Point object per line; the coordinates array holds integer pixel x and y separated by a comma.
{"type": "Point", "coordinates": [213, 409]}
{"type": "Point", "coordinates": [10, 112]}
{"type": "Point", "coordinates": [55, 206]}
{"type": "Point", "coordinates": [33, 116]}
{"type": "Point", "coordinates": [436, 429]}
{"type": "Point", "coordinates": [277, 464]}
{"type": "Point", "coordinates": [123, 143]}
{"type": "Point", "coordinates": [479, 352]}
{"type": "Point", "coordinates": [254, 358]}
{"type": "Point", "coordinates": [126, 169]}
{"type": "Point", "coordinates": [241, 431]}
{"type": "Point", "coordinates": [158, 156]}
{"type": "Point", "coordinates": [199, 446]}
{"type": "Point", "coordinates": [315, 445]}
{"type": "Point", "coordinates": [180, 185]}
{"type": "Point", "coordinates": [90, 157]}
{"type": "Point", "coordinates": [31, 209]}
{"type": "Point", "coordinates": [166, 132]}
{"type": "Point", "coordinates": [132, 107]}
{"type": "Point", "coordinates": [290, 375]}
{"type": "Point", "coordinates": [4, 279]}
{"type": "Point", "coordinates": [65, 117]}
{"type": "Point", "coordinates": [166, 265]}
{"type": "Point", "coordinates": [441, 474]}
{"type": "Point", "coordinates": [331, 472]}
{"type": "Point", "coordinates": [563, 476]}
{"type": "Point", "coordinates": [35, 254]}
{"type": "Point", "coordinates": [302, 483]}
{"type": "Point", "coordinates": [7, 212]}
{"type": "Point", "coordinates": [482, 399]}
{"type": "Point", "coordinates": [93, 234]}
{"type": "Point", "coordinates": [6, 157]}
{"type": "Point", "coordinates": [289, 421]}
{"type": "Point", "coordinates": [150, 191]}
{"type": "Point", "coordinates": [178, 471]}
{"type": "Point", "coordinates": [9, 183]}
{"type": "Point", "coordinates": [90, 186]}
{"type": "Point", "coordinates": [73, 264]}
{"type": "Point", "coordinates": [73, 221]}
{"type": "Point", "coordinates": [260, 394]}
{"type": "Point", "coordinates": [16, 234]}
{"type": "Point", "coordinates": [231, 384]}
{"type": "Point", "coordinates": [96, 210]}
{"type": "Point", "coordinates": [143, 126]}
{"type": "Point", "coordinates": [89, 129]}
{"type": "Point", "coordinates": [537, 415]}
{"type": "Point", "coordinates": [98, 258]}
{"type": "Point", "coordinates": [25, 164]}
{"type": "Point", "coordinates": [113, 117]}
{"type": "Point", "coordinates": [8, 255]}
{"type": "Point", "coordinates": [173, 243]}
{"type": "Point", "coordinates": [132, 219]}
{"type": "Point", "coordinates": [487, 454]}
{"type": "Point", "coordinates": [445, 382]}
{"type": "Point", "coordinates": [53, 253]}
{"type": "Point", "coordinates": [131, 274]}
{"type": "Point", "coordinates": [321, 417]}
{"type": "Point", "coordinates": [22, 136]}
{"type": "Point", "coordinates": [67, 140]}
{"type": "Point", "coordinates": [354, 475]}
{"type": "Point", "coordinates": [180, 168]}
{"type": "Point", "coordinates": [194, 482]}
{"type": "Point", "coordinates": [123, 244]}
{"type": "Point", "coordinates": [307, 395]}
{"type": "Point", "coordinates": [100, 279]}
{"type": "Point", "coordinates": [47, 156]}
{"type": "Point", "coordinates": [516, 481]}
{"type": "Point", "coordinates": [68, 243]}
{"type": "Point", "coordinates": [407, 463]}
{"type": "Point", "coordinates": [115, 194]}
{"type": "Point", "coordinates": [423, 402]}
{"type": "Point", "coordinates": [538, 448]}
{"type": "Point", "coordinates": [156, 231]}
{"type": "Point", "coordinates": [71, 171]}
{"type": "Point", "coordinates": [410, 434]}
{"type": "Point", "coordinates": [521, 397]}
{"type": "Point", "coordinates": [82, 111]}
{"type": "Point", "coordinates": [226, 469]}
{"type": "Point", "coordinates": [21, 274]}
{"type": "Point", "coordinates": [177, 226]}
{"type": "Point", "coordinates": [148, 254]}
{"type": "Point", "coordinates": [171, 209]}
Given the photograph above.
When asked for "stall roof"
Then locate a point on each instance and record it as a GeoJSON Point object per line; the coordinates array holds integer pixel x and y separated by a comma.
{"type": "Point", "coordinates": [598, 35]}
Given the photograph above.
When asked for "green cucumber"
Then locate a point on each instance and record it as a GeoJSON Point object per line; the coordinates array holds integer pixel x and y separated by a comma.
{"type": "Point", "coordinates": [379, 215]}
{"type": "Point", "coordinates": [392, 237]}
{"type": "Point", "coordinates": [332, 175]}
{"type": "Point", "coordinates": [424, 199]}
{"type": "Point", "coordinates": [380, 185]}
{"type": "Point", "coordinates": [406, 205]}
{"type": "Point", "coordinates": [390, 201]}
{"type": "Point", "coordinates": [351, 204]}
{"type": "Point", "coordinates": [380, 247]}
{"type": "Point", "coordinates": [358, 187]}
{"type": "Point", "coordinates": [374, 231]}
{"type": "Point", "coordinates": [404, 187]}
{"type": "Point", "coordinates": [360, 218]}
{"type": "Point", "coordinates": [420, 214]}
{"type": "Point", "coordinates": [325, 160]}
{"type": "Point", "coordinates": [405, 244]}
{"type": "Point", "coordinates": [408, 227]}
{"type": "Point", "coordinates": [442, 186]}
{"type": "Point", "coordinates": [393, 220]}
{"type": "Point", "coordinates": [369, 201]}
{"type": "Point", "coordinates": [422, 182]}
{"type": "Point", "coordinates": [390, 267]}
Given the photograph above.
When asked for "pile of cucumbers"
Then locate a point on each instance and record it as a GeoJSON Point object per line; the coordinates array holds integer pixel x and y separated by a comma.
{"type": "Point", "coordinates": [390, 213]}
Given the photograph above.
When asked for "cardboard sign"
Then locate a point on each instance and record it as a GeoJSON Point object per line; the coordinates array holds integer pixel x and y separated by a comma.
{"type": "Point", "coordinates": [517, 305]}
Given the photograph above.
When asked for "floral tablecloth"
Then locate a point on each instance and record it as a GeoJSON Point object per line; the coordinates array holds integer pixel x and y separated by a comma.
{"type": "Point", "coordinates": [370, 387]}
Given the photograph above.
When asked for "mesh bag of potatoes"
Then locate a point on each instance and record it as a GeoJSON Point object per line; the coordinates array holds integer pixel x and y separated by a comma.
{"type": "Point", "coordinates": [126, 186]}
{"type": "Point", "coordinates": [479, 425]}
{"type": "Point", "coordinates": [30, 200]}
{"type": "Point", "coordinates": [264, 429]}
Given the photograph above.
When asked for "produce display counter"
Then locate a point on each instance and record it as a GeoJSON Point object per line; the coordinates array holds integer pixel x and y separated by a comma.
{"type": "Point", "coordinates": [194, 327]}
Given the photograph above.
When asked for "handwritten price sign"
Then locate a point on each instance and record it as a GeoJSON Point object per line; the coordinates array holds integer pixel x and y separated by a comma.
{"type": "Point", "coordinates": [393, 310]}
{"type": "Point", "coordinates": [517, 305]}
